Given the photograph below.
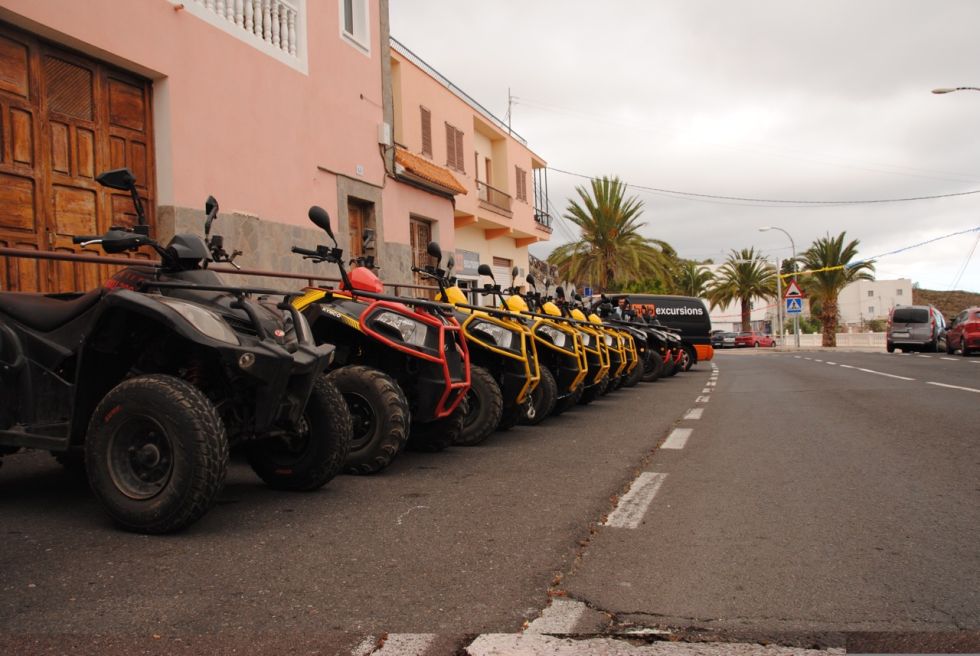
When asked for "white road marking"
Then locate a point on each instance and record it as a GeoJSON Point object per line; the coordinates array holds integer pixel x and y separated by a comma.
{"type": "Point", "coordinates": [925, 356]}
{"type": "Point", "coordinates": [706, 390]}
{"type": "Point", "coordinates": [405, 644]}
{"type": "Point", "coordinates": [633, 505]}
{"type": "Point", "coordinates": [702, 399]}
{"type": "Point", "coordinates": [829, 362]}
{"type": "Point", "coordinates": [694, 413]}
{"type": "Point", "coordinates": [560, 617]}
{"type": "Point", "coordinates": [677, 438]}
{"type": "Point", "coordinates": [817, 360]}
{"type": "Point", "coordinates": [965, 389]}
{"type": "Point", "coordinates": [798, 357]}
{"type": "Point", "coordinates": [847, 366]}
{"type": "Point", "coordinates": [711, 383]}
{"type": "Point", "coordinates": [807, 358]}
{"type": "Point", "coordinates": [880, 373]}
{"type": "Point", "coordinates": [950, 359]}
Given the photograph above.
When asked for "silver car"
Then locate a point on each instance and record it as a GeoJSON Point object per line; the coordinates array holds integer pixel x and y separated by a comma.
{"type": "Point", "coordinates": [915, 328]}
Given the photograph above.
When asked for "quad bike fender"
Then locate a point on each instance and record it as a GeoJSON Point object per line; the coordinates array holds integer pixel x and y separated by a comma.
{"type": "Point", "coordinates": [280, 381]}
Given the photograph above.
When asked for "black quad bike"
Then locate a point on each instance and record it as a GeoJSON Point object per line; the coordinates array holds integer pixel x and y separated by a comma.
{"type": "Point", "coordinates": [401, 363]}
{"type": "Point", "coordinates": [154, 376]}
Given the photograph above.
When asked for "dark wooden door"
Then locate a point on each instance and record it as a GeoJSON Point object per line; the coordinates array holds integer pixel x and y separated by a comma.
{"type": "Point", "coordinates": [355, 225]}
{"type": "Point", "coordinates": [421, 235]}
{"type": "Point", "coordinates": [68, 117]}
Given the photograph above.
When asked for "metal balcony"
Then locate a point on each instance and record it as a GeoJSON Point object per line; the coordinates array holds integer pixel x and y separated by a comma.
{"type": "Point", "coordinates": [492, 196]}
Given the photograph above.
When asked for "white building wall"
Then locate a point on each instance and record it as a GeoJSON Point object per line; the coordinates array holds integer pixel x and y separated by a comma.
{"type": "Point", "coordinates": [864, 300]}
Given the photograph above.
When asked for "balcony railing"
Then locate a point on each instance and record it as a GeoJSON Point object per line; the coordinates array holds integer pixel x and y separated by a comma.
{"type": "Point", "coordinates": [493, 196]}
{"type": "Point", "coordinates": [543, 219]}
{"type": "Point", "coordinates": [274, 26]}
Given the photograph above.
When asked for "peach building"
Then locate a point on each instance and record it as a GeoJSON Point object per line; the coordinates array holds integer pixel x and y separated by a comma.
{"type": "Point", "coordinates": [269, 105]}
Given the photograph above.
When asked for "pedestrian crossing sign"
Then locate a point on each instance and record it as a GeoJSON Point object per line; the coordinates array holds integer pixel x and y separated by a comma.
{"type": "Point", "coordinates": [794, 305]}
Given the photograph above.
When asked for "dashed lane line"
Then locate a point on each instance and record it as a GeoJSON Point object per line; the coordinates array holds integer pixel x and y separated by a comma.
{"type": "Point", "coordinates": [829, 362]}
{"type": "Point", "coordinates": [702, 399]}
{"type": "Point", "coordinates": [950, 359]}
{"type": "Point", "coordinates": [965, 389]}
{"type": "Point", "coordinates": [694, 413]}
{"type": "Point", "coordinates": [706, 390]}
{"type": "Point", "coordinates": [881, 373]}
{"type": "Point", "coordinates": [677, 438]}
{"type": "Point", "coordinates": [633, 505]}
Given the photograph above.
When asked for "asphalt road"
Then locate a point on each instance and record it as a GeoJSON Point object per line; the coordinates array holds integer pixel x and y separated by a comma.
{"type": "Point", "coordinates": [808, 497]}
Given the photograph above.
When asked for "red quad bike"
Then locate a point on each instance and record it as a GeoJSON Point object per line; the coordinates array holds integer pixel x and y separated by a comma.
{"type": "Point", "coordinates": [401, 363]}
{"type": "Point", "coordinates": [155, 375]}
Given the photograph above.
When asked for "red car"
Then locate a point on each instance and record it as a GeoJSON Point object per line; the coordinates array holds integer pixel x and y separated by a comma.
{"type": "Point", "coordinates": [964, 332]}
{"type": "Point", "coordinates": [754, 339]}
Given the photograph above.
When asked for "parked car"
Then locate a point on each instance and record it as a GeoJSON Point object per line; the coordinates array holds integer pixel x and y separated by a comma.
{"type": "Point", "coordinates": [915, 328]}
{"type": "Point", "coordinates": [964, 332]}
{"type": "Point", "coordinates": [754, 339]}
{"type": "Point", "coordinates": [723, 340]}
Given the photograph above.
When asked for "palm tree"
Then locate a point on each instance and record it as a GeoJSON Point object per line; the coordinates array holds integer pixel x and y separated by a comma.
{"type": "Point", "coordinates": [829, 258]}
{"type": "Point", "coordinates": [692, 279]}
{"type": "Point", "coordinates": [742, 277]}
{"type": "Point", "coordinates": [611, 251]}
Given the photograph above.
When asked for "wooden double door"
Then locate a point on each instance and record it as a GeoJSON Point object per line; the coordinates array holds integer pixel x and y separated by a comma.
{"type": "Point", "coordinates": [64, 118]}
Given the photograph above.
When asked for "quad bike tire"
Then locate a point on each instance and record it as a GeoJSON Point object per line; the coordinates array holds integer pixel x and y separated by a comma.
{"type": "Point", "coordinates": [438, 435]}
{"type": "Point", "coordinates": [569, 400]}
{"type": "Point", "coordinates": [652, 368]}
{"type": "Point", "coordinates": [511, 415]}
{"type": "Point", "coordinates": [590, 394]}
{"type": "Point", "coordinates": [379, 414]}
{"type": "Point", "coordinates": [307, 459]}
{"type": "Point", "coordinates": [543, 398]}
{"type": "Point", "coordinates": [484, 408]}
{"type": "Point", "coordinates": [689, 357]}
{"type": "Point", "coordinates": [636, 375]}
{"type": "Point", "coordinates": [156, 454]}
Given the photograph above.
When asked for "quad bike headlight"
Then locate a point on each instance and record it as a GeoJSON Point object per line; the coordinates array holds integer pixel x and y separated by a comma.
{"type": "Point", "coordinates": [557, 337]}
{"type": "Point", "coordinates": [586, 340]}
{"type": "Point", "coordinates": [496, 333]}
{"type": "Point", "coordinates": [411, 331]}
{"type": "Point", "coordinates": [608, 340]}
{"type": "Point", "coordinates": [203, 319]}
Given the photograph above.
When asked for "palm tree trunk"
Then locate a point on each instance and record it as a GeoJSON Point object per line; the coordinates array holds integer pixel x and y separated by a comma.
{"type": "Point", "coordinates": [829, 320]}
{"type": "Point", "coordinates": [746, 318]}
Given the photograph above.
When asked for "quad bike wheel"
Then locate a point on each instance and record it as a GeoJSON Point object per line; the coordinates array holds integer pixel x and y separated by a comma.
{"type": "Point", "coordinates": [379, 416]}
{"type": "Point", "coordinates": [652, 368]}
{"type": "Point", "coordinates": [156, 453]}
{"type": "Point", "coordinates": [438, 435]}
{"type": "Point", "coordinates": [569, 400]}
{"type": "Point", "coordinates": [543, 398]}
{"type": "Point", "coordinates": [484, 408]}
{"type": "Point", "coordinates": [636, 375]}
{"type": "Point", "coordinates": [308, 458]}
{"type": "Point", "coordinates": [513, 414]}
{"type": "Point", "coordinates": [688, 360]}
{"type": "Point", "coordinates": [590, 394]}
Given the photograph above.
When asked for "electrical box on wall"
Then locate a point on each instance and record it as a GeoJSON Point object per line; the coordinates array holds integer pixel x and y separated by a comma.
{"type": "Point", "coordinates": [384, 134]}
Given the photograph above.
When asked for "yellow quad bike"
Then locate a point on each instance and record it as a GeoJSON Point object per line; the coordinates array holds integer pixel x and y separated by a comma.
{"type": "Point", "coordinates": [561, 353]}
{"type": "Point", "coordinates": [503, 359]}
{"type": "Point", "coordinates": [619, 355]}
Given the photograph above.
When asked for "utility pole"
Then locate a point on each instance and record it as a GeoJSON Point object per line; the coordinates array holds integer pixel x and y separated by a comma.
{"type": "Point", "coordinates": [510, 104]}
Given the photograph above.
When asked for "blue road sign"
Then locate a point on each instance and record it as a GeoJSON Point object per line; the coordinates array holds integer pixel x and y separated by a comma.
{"type": "Point", "coordinates": [587, 291]}
{"type": "Point", "coordinates": [794, 305]}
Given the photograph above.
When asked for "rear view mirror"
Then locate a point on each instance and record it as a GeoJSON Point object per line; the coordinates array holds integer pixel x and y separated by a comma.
{"type": "Point", "coordinates": [528, 278]}
{"type": "Point", "coordinates": [321, 219]}
{"type": "Point", "coordinates": [434, 251]}
{"type": "Point", "coordinates": [211, 209]}
{"type": "Point", "coordinates": [121, 179]}
{"type": "Point", "coordinates": [450, 263]}
{"type": "Point", "coordinates": [560, 292]}
{"type": "Point", "coordinates": [485, 270]}
{"type": "Point", "coordinates": [514, 272]}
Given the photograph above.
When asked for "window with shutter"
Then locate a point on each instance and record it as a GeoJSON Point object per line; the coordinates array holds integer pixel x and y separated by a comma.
{"type": "Point", "coordinates": [454, 148]}
{"type": "Point", "coordinates": [426, 131]}
{"type": "Point", "coordinates": [521, 183]}
{"type": "Point", "coordinates": [459, 150]}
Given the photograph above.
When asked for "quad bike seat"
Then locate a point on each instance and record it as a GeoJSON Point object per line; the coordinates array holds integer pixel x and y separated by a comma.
{"type": "Point", "coordinates": [45, 312]}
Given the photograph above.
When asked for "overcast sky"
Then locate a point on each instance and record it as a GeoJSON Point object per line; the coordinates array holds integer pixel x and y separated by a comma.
{"type": "Point", "coordinates": [770, 99]}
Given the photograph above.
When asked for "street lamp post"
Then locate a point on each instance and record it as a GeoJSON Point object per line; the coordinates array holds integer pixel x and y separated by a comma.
{"type": "Point", "coordinates": [779, 277]}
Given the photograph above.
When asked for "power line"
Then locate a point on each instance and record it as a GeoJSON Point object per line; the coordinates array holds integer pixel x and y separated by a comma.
{"type": "Point", "coordinates": [777, 202]}
{"type": "Point", "coordinates": [966, 263]}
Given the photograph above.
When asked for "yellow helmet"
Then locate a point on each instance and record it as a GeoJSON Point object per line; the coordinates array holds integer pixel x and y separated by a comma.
{"type": "Point", "coordinates": [516, 304]}
{"type": "Point", "coordinates": [551, 308]}
{"type": "Point", "coordinates": [578, 314]}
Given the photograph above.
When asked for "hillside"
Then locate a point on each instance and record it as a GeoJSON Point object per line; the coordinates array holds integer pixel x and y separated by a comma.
{"type": "Point", "coordinates": [950, 303]}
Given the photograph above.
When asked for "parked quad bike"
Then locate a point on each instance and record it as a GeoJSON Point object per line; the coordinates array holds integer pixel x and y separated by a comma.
{"type": "Point", "coordinates": [156, 374]}
{"type": "Point", "coordinates": [561, 354]}
{"type": "Point", "coordinates": [503, 360]}
{"type": "Point", "coordinates": [401, 364]}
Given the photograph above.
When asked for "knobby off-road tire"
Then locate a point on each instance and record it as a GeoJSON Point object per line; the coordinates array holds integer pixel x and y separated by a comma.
{"type": "Point", "coordinates": [310, 457]}
{"type": "Point", "coordinates": [652, 368]}
{"type": "Point", "coordinates": [636, 375]}
{"type": "Point", "coordinates": [590, 394]}
{"type": "Point", "coordinates": [689, 359]}
{"type": "Point", "coordinates": [156, 454]}
{"type": "Point", "coordinates": [568, 401]}
{"type": "Point", "coordinates": [438, 435]}
{"type": "Point", "coordinates": [379, 415]}
{"type": "Point", "coordinates": [543, 398]}
{"type": "Point", "coordinates": [484, 408]}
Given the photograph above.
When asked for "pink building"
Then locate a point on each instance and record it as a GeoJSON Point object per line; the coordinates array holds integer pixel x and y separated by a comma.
{"type": "Point", "coordinates": [269, 105]}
